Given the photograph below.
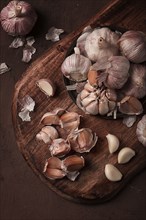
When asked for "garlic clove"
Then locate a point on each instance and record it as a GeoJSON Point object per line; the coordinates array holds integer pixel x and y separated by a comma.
{"type": "Point", "coordinates": [113, 143]}
{"type": "Point", "coordinates": [130, 105]}
{"type": "Point", "coordinates": [53, 162]}
{"type": "Point", "coordinates": [59, 147]}
{"type": "Point", "coordinates": [125, 155]}
{"type": "Point", "coordinates": [46, 86]}
{"type": "Point", "coordinates": [73, 163]}
{"type": "Point", "coordinates": [50, 118]}
{"type": "Point", "coordinates": [129, 120]}
{"type": "Point", "coordinates": [70, 121]}
{"type": "Point", "coordinates": [103, 106]}
{"type": "Point", "coordinates": [54, 173]}
{"type": "Point", "coordinates": [93, 107]}
{"type": "Point", "coordinates": [92, 78]}
{"type": "Point", "coordinates": [50, 131]}
{"type": "Point", "coordinates": [141, 130]}
{"type": "Point", "coordinates": [112, 173]}
{"type": "Point", "coordinates": [42, 136]}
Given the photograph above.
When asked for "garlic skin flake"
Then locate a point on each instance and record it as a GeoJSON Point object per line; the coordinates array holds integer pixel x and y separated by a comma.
{"type": "Point", "coordinates": [129, 120]}
{"type": "Point", "coordinates": [28, 51]}
{"type": "Point", "coordinates": [4, 68]}
{"type": "Point", "coordinates": [53, 34]}
{"type": "Point", "coordinates": [113, 143]}
{"type": "Point", "coordinates": [112, 173]}
{"type": "Point", "coordinates": [28, 105]}
{"type": "Point", "coordinates": [141, 130]}
{"type": "Point", "coordinates": [125, 155]}
{"type": "Point", "coordinates": [102, 42]}
{"type": "Point", "coordinates": [17, 42]}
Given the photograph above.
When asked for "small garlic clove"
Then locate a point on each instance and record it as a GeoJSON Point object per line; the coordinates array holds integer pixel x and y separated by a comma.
{"type": "Point", "coordinates": [125, 155]}
{"type": "Point", "coordinates": [73, 163]}
{"type": "Point", "coordinates": [54, 173]}
{"type": "Point", "coordinates": [50, 118]}
{"type": "Point", "coordinates": [50, 131]}
{"type": "Point", "coordinates": [70, 121]}
{"type": "Point", "coordinates": [42, 136]}
{"type": "Point", "coordinates": [113, 143]}
{"type": "Point", "coordinates": [59, 147]}
{"type": "Point", "coordinates": [46, 86]}
{"type": "Point", "coordinates": [103, 106]}
{"type": "Point", "coordinates": [53, 162]}
{"type": "Point", "coordinates": [112, 173]}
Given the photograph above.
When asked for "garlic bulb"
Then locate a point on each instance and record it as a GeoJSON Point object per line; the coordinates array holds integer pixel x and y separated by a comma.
{"type": "Point", "coordinates": [141, 130]}
{"type": "Point", "coordinates": [133, 46]}
{"type": "Point", "coordinates": [18, 18]}
{"type": "Point", "coordinates": [102, 42]}
{"type": "Point", "coordinates": [82, 140]}
{"type": "Point", "coordinates": [136, 84]}
{"type": "Point", "coordinates": [114, 72]}
{"type": "Point", "coordinates": [75, 67]}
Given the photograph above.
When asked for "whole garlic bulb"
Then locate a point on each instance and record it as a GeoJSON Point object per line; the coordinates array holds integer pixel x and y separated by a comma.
{"type": "Point", "coordinates": [102, 42]}
{"type": "Point", "coordinates": [141, 130]}
{"type": "Point", "coordinates": [75, 67]}
{"type": "Point", "coordinates": [136, 84]}
{"type": "Point", "coordinates": [18, 18]}
{"type": "Point", "coordinates": [133, 46]}
{"type": "Point", "coordinates": [114, 72]}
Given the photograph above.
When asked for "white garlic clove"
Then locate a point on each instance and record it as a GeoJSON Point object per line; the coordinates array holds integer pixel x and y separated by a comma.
{"type": "Point", "coordinates": [103, 106]}
{"type": "Point", "coordinates": [141, 131]}
{"type": "Point", "coordinates": [113, 143]}
{"type": "Point", "coordinates": [92, 107]}
{"type": "Point", "coordinates": [75, 67]}
{"type": "Point", "coordinates": [59, 147]}
{"type": "Point", "coordinates": [46, 86]}
{"type": "Point", "coordinates": [42, 136]}
{"type": "Point", "coordinates": [70, 121]}
{"type": "Point", "coordinates": [112, 173]}
{"type": "Point", "coordinates": [73, 163]}
{"type": "Point", "coordinates": [125, 155]}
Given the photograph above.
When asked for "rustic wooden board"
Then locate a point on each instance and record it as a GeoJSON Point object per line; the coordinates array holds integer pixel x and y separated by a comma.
{"type": "Point", "coordinates": [91, 186]}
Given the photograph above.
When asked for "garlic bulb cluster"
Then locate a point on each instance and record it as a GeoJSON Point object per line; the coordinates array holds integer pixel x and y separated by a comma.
{"type": "Point", "coordinates": [133, 46]}
{"type": "Point", "coordinates": [102, 42]}
{"type": "Point", "coordinates": [136, 84]}
{"type": "Point", "coordinates": [18, 18]}
{"type": "Point", "coordinates": [141, 130]}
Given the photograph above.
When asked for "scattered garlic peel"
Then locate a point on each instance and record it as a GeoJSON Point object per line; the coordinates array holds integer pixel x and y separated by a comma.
{"type": "Point", "coordinates": [30, 40]}
{"type": "Point", "coordinates": [17, 42]}
{"type": "Point", "coordinates": [72, 175]}
{"type": "Point", "coordinates": [53, 34]}
{"type": "Point", "coordinates": [27, 104]}
{"type": "Point", "coordinates": [28, 51]}
{"type": "Point", "coordinates": [46, 86]}
{"type": "Point", "coordinates": [129, 120]}
{"type": "Point", "coordinates": [4, 68]}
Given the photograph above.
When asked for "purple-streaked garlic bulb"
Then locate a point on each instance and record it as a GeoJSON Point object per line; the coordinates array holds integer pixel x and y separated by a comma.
{"type": "Point", "coordinates": [102, 42]}
{"type": "Point", "coordinates": [141, 130]}
{"type": "Point", "coordinates": [18, 18]}
{"type": "Point", "coordinates": [76, 67]}
{"type": "Point", "coordinates": [133, 46]}
{"type": "Point", "coordinates": [136, 84]}
{"type": "Point", "coordinates": [114, 72]}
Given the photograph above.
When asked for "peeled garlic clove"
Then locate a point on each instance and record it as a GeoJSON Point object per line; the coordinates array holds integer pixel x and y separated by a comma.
{"type": "Point", "coordinates": [112, 173]}
{"type": "Point", "coordinates": [70, 121]}
{"type": "Point", "coordinates": [59, 147]}
{"type": "Point", "coordinates": [113, 143]}
{"type": "Point", "coordinates": [75, 67]}
{"type": "Point", "coordinates": [130, 105]}
{"type": "Point", "coordinates": [73, 163]}
{"type": "Point", "coordinates": [82, 140]}
{"type": "Point", "coordinates": [125, 155]}
{"type": "Point", "coordinates": [46, 86]}
{"type": "Point", "coordinates": [141, 130]}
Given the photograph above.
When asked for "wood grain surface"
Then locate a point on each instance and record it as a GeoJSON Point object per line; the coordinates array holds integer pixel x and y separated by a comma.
{"type": "Point", "coordinates": [92, 185]}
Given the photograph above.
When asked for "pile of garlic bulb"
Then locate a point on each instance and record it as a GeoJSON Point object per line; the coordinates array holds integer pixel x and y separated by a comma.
{"type": "Point", "coordinates": [110, 61]}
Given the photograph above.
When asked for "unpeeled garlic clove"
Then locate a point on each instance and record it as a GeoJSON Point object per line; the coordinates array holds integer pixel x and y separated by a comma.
{"type": "Point", "coordinates": [112, 173]}
{"type": "Point", "coordinates": [125, 155]}
{"type": "Point", "coordinates": [92, 78]}
{"type": "Point", "coordinates": [52, 118]}
{"type": "Point", "coordinates": [46, 86]}
{"type": "Point", "coordinates": [59, 147]}
{"type": "Point", "coordinates": [73, 163]}
{"type": "Point", "coordinates": [47, 134]}
{"type": "Point", "coordinates": [113, 143]}
{"type": "Point", "coordinates": [70, 121]}
{"type": "Point", "coordinates": [82, 140]}
{"type": "Point", "coordinates": [42, 136]}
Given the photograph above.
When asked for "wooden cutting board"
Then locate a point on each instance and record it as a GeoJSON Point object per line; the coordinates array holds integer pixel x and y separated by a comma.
{"type": "Point", "coordinates": [91, 186]}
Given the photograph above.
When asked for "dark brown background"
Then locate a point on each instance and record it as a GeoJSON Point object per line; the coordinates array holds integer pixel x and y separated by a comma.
{"type": "Point", "coordinates": [22, 195]}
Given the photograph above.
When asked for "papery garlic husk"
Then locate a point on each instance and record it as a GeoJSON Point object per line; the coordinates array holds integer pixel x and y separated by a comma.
{"type": "Point", "coordinates": [75, 67]}
{"type": "Point", "coordinates": [70, 121]}
{"type": "Point", "coordinates": [73, 163]}
{"type": "Point", "coordinates": [125, 155]}
{"type": "Point", "coordinates": [52, 118]}
{"type": "Point", "coordinates": [47, 134]}
{"type": "Point", "coordinates": [52, 168]}
{"type": "Point", "coordinates": [136, 84]}
{"type": "Point", "coordinates": [114, 72]}
{"type": "Point", "coordinates": [100, 43]}
{"type": "Point", "coordinates": [59, 147]}
{"type": "Point", "coordinates": [129, 120]}
{"type": "Point", "coordinates": [18, 18]}
{"type": "Point", "coordinates": [82, 140]}
{"type": "Point", "coordinates": [133, 46]}
{"type": "Point", "coordinates": [72, 175]}
{"type": "Point", "coordinates": [46, 86]}
{"type": "Point", "coordinates": [113, 143]}
{"type": "Point", "coordinates": [112, 173]}
{"type": "Point", "coordinates": [130, 105]}
{"type": "Point", "coordinates": [141, 131]}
